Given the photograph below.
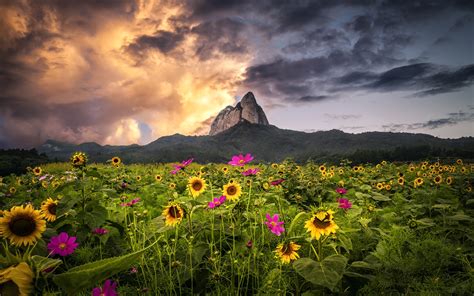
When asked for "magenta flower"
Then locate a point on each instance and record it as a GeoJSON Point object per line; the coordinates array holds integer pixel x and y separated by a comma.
{"type": "Point", "coordinates": [274, 225]}
{"type": "Point", "coordinates": [251, 172]}
{"type": "Point", "coordinates": [182, 165]}
{"type": "Point", "coordinates": [63, 244]}
{"type": "Point", "coordinates": [100, 231]}
{"type": "Point", "coordinates": [240, 160]}
{"type": "Point", "coordinates": [133, 270]}
{"type": "Point", "coordinates": [130, 203]}
{"type": "Point", "coordinates": [277, 182]}
{"type": "Point", "coordinates": [216, 202]}
{"type": "Point", "coordinates": [107, 290]}
{"type": "Point", "coordinates": [249, 244]}
{"type": "Point", "coordinates": [344, 203]}
{"type": "Point", "coordinates": [341, 190]}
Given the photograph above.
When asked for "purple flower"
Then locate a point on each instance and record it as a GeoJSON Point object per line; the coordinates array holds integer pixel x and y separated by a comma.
{"type": "Point", "coordinates": [107, 290]}
{"type": "Point", "coordinates": [100, 231]}
{"type": "Point", "coordinates": [277, 182]}
{"type": "Point", "coordinates": [240, 160]}
{"type": "Point", "coordinates": [133, 270]}
{"type": "Point", "coordinates": [274, 225]}
{"type": "Point", "coordinates": [344, 203]}
{"type": "Point", "coordinates": [341, 190]}
{"type": "Point", "coordinates": [251, 172]}
{"type": "Point", "coordinates": [216, 202]}
{"type": "Point", "coordinates": [182, 165]}
{"type": "Point", "coordinates": [249, 244]}
{"type": "Point", "coordinates": [130, 203]}
{"type": "Point", "coordinates": [63, 244]}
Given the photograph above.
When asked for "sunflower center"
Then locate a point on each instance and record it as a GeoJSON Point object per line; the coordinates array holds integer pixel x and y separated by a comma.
{"type": "Point", "coordinates": [174, 212]}
{"type": "Point", "coordinates": [322, 223]}
{"type": "Point", "coordinates": [22, 226]}
{"type": "Point", "coordinates": [231, 190]}
{"type": "Point", "coordinates": [286, 249]}
{"type": "Point", "coordinates": [197, 185]}
{"type": "Point", "coordinates": [52, 208]}
{"type": "Point", "coordinates": [9, 288]}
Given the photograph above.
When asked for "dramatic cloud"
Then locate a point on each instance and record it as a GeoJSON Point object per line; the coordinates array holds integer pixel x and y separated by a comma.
{"type": "Point", "coordinates": [126, 71]}
{"type": "Point", "coordinates": [451, 119]}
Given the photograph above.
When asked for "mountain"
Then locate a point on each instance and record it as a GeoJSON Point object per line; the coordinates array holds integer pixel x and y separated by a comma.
{"type": "Point", "coordinates": [246, 110]}
{"type": "Point", "coordinates": [271, 144]}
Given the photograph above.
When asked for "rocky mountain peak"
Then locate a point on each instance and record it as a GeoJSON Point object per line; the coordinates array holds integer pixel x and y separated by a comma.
{"type": "Point", "coordinates": [247, 109]}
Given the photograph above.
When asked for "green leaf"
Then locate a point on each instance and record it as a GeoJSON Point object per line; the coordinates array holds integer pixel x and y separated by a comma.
{"type": "Point", "coordinates": [293, 223]}
{"type": "Point", "coordinates": [379, 197]}
{"type": "Point", "coordinates": [460, 216]}
{"type": "Point", "coordinates": [66, 203]}
{"type": "Point", "coordinates": [346, 242]}
{"type": "Point", "coordinates": [87, 275]}
{"type": "Point", "coordinates": [41, 263]}
{"type": "Point", "coordinates": [94, 214]}
{"type": "Point", "coordinates": [326, 273]}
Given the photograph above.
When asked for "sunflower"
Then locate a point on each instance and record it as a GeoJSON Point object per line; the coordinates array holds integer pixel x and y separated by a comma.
{"type": "Point", "coordinates": [449, 180]}
{"type": "Point", "coordinates": [225, 170]}
{"type": "Point", "coordinates": [37, 171]}
{"type": "Point", "coordinates": [266, 186]}
{"type": "Point", "coordinates": [287, 251]}
{"type": "Point", "coordinates": [232, 191]}
{"type": "Point", "coordinates": [355, 169]}
{"type": "Point", "coordinates": [48, 208]}
{"type": "Point", "coordinates": [322, 168]}
{"type": "Point", "coordinates": [411, 168]}
{"type": "Point", "coordinates": [78, 159]}
{"type": "Point", "coordinates": [172, 186]}
{"type": "Point", "coordinates": [401, 181]}
{"type": "Point", "coordinates": [173, 214]}
{"type": "Point", "coordinates": [341, 171]}
{"type": "Point", "coordinates": [438, 179]}
{"type": "Point", "coordinates": [158, 178]}
{"type": "Point", "coordinates": [196, 186]}
{"type": "Point", "coordinates": [380, 186]}
{"type": "Point", "coordinates": [463, 170]}
{"type": "Point", "coordinates": [16, 280]}
{"type": "Point", "coordinates": [274, 165]}
{"type": "Point", "coordinates": [116, 161]}
{"type": "Point", "coordinates": [321, 223]}
{"type": "Point", "coordinates": [459, 161]}
{"type": "Point", "coordinates": [418, 182]}
{"type": "Point", "coordinates": [22, 225]}
{"type": "Point", "coordinates": [388, 187]}
{"type": "Point", "coordinates": [12, 190]}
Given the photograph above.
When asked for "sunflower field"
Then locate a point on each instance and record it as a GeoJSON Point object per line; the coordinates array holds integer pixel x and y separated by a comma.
{"type": "Point", "coordinates": [240, 228]}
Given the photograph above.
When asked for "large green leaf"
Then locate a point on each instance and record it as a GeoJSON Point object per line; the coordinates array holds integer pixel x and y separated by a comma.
{"type": "Point", "coordinates": [87, 275]}
{"type": "Point", "coordinates": [326, 273]}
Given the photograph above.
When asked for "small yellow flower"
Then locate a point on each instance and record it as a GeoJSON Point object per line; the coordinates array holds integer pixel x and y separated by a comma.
{"type": "Point", "coordinates": [321, 223]}
{"type": "Point", "coordinates": [37, 171]}
{"type": "Point", "coordinates": [287, 252]}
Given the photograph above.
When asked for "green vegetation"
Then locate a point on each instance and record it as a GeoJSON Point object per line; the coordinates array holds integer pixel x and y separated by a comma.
{"type": "Point", "coordinates": [384, 229]}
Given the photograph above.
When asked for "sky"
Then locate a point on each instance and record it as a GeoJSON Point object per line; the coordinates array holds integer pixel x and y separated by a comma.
{"type": "Point", "coordinates": [130, 71]}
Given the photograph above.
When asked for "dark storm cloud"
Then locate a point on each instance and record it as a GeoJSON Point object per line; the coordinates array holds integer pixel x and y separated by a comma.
{"type": "Point", "coordinates": [450, 120]}
{"type": "Point", "coordinates": [223, 36]}
{"type": "Point", "coordinates": [163, 41]}
{"type": "Point", "coordinates": [424, 79]}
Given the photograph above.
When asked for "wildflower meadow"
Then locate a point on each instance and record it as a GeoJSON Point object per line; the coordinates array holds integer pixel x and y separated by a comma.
{"type": "Point", "coordinates": [238, 228]}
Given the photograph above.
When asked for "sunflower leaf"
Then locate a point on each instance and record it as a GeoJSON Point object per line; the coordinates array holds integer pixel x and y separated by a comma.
{"type": "Point", "coordinates": [87, 275]}
{"type": "Point", "coordinates": [326, 273]}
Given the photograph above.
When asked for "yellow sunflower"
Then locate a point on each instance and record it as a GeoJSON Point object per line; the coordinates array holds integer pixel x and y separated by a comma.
{"type": "Point", "coordinates": [139, 178]}
{"type": "Point", "coordinates": [158, 178]}
{"type": "Point", "coordinates": [12, 190]}
{"type": "Point", "coordinates": [438, 179]}
{"type": "Point", "coordinates": [37, 171]}
{"type": "Point", "coordinates": [418, 182]}
{"type": "Point", "coordinates": [322, 168]}
{"type": "Point", "coordinates": [16, 280]}
{"type": "Point", "coordinates": [388, 187]}
{"type": "Point", "coordinates": [380, 186]}
{"type": "Point", "coordinates": [287, 252]}
{"type": "Point", "coordinates": [401, 181]}
{"type": "Point", "coordinates": [22, 225]}
{"type": "Point", "coordinates": [321, 223]}
{"type": "Point", "coordinates": [232, 191]}
{"type": "Point", "coordinates": [225, 170]}
{"type": "Point", "coordinates": [172, 186]}
{"type": "Point", "coordinates": [78, 159]}
{"type": "Point", "coordinates": [116, 161]}
{"type": "Point", "coordinates": [173, 214]}
{"type": "Point", "coordinates": [459, 161]}
{"type": "Point", "coordinates": [449, 180]}
{"type": "Point", "coordinates": [48, 208]}
{"type": "Point", "coordinates": [196, 186]}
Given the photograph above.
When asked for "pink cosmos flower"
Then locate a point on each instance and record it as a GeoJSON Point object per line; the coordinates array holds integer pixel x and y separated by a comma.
{"type": "Point", "coordinates": [341, 190]}
{"type": "Point", "coordinates": [130, 203]}
{"type": "Point", "coordinates": [277, 182]}
{"type": "Point", "coordinates": [344, 203]}
{"type": "Point", "coordinates": [240, 160]}
{"type": "Point", "coordinates": [100, 231]}
{"type": "Point", "coordinates": [107, 290]}
{"type": "Point", "coordinates": [182, 165]}
{"type": "Point", "coordinates": [63, 244]}
{"type": "Point", "coordinates": [251, 172]}
{"type": "Point", "coordinates": [217, 202]}
{"type": "Point", "coordinates": [274, 225]}
{"type": "Point", "coordinates": [133, 270]}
